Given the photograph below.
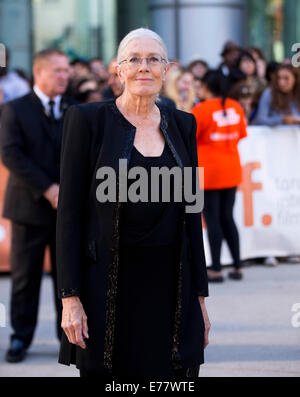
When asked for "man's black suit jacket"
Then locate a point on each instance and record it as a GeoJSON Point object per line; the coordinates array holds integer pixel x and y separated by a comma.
{"type": "Point", "coordinates": [30, 148]}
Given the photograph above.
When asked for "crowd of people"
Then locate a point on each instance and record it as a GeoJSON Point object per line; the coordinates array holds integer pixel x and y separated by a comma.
{"type": "Point", "coordinates": [267, 91]}
{"type": "Point", "coordinates": [243, 90]}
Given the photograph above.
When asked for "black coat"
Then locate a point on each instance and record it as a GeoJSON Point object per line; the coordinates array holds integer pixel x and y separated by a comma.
{"type": "Point", "coordinates": [97, 135]}
{"type": "Point", "coordinates": [30, 149]}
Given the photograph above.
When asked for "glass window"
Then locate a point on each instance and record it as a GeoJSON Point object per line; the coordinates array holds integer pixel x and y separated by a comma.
{"type": "Point", "coordinates": [273, 26]}
{"type": "Point", "coordinates": [81, 28]}
{"type": "Point", "coordinates": [265, 27]}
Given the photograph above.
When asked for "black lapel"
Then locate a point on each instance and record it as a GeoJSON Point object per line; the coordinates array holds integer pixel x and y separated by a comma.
{"type": "Point", "coordinates": [125, 140]}
{"type": "Point", "coordinates": [170, 134]}
{"type": "Point", "coordinates": [43, 117]}
{"type": "Point", "coordinates": [66, 102]}
{"type": "Point", "coordinates": [40, 111]}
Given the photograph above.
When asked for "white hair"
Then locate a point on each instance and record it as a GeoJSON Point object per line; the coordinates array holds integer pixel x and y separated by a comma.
{"type": "Point", "coordinates": [137, 34]}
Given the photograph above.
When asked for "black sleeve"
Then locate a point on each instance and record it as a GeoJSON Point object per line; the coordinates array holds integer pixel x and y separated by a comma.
{"type": "Point", "coordinates": [14, 156]}
{"type": "Point", "coordinates": [194, 226]}
{"type": "Point", "coordinates": [71, 201]}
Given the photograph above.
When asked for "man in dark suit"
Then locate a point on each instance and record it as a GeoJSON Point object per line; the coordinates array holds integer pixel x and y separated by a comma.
{"type": "Point", "coordinates": [31, 134]}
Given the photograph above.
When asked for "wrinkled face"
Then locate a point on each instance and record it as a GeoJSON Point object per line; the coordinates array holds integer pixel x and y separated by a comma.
{"type": "Point", "coordinates": [143, 79]}
{"type": "Point", "coordinates": [285, 80]}
{"type": "Point", "coordinates": [52, 75]}
{"type": "Point", "coordinates": [247, 66]}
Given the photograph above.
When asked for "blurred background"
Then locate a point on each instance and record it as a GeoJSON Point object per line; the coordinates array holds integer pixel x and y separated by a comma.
{"type": "Point", "coordinates": [245, 40]}
{"type": "Point", "coordinates": [93, 28]}
{"type": "Point", "coordinates": [249, 42]}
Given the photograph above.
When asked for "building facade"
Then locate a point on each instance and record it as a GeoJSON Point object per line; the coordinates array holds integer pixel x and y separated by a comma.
{"type": "Point", "coordinates": [190, 28]}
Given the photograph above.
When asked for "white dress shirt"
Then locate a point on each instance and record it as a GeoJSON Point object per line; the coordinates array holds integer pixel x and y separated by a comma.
{"type": "Point", "coordinates": [45, 102]}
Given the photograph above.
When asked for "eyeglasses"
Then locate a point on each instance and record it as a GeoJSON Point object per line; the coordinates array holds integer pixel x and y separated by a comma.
{"type": "Point", "coordinates": [153, 61]}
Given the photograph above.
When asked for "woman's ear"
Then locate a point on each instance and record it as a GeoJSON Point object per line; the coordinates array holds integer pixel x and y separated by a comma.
{"type": "Point", "coordinates": [120, 74]}
{"type": "Point", "coordinates": [165, 71]}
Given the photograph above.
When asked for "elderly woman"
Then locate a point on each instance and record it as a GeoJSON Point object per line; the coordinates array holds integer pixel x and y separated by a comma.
{"type": "Point", "coordinates": [132, 274]}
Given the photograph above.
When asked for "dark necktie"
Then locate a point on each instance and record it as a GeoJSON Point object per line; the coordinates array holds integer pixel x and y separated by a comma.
{"type": "Point", "coordinates": [51, 104]}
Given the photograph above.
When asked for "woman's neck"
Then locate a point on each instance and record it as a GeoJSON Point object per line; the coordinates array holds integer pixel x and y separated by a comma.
{"type": "Point", "coordinates": [141, 106]}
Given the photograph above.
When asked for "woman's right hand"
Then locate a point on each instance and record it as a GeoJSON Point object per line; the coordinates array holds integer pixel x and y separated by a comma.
{"type": "Point", "coordinates": [74, 321]}
{"type": "Point", "coordinates": [206, 320]}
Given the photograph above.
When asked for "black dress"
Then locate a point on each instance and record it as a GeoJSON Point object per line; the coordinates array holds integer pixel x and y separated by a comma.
{"type": "Point", "coordinates": [147, 280]}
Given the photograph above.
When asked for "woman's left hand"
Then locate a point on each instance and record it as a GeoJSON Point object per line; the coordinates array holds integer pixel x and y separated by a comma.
{"type": "Point", "coordinates": [206, 320]}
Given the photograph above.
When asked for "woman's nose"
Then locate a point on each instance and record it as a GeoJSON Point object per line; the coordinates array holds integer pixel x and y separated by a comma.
{"type": "Point", "coordinates": [144, 64]}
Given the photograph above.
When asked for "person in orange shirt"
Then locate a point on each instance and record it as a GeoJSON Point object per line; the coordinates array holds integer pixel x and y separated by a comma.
{"type": "Point", "coordinates": [221, 123]}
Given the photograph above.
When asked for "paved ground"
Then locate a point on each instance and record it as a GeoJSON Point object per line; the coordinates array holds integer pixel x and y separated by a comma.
{"type": "Point", "coordinates": [251, 335]}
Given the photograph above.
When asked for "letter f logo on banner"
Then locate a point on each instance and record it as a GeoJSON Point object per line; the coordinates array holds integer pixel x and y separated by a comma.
{"type": "Point", "coordinates": [247, 187]}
